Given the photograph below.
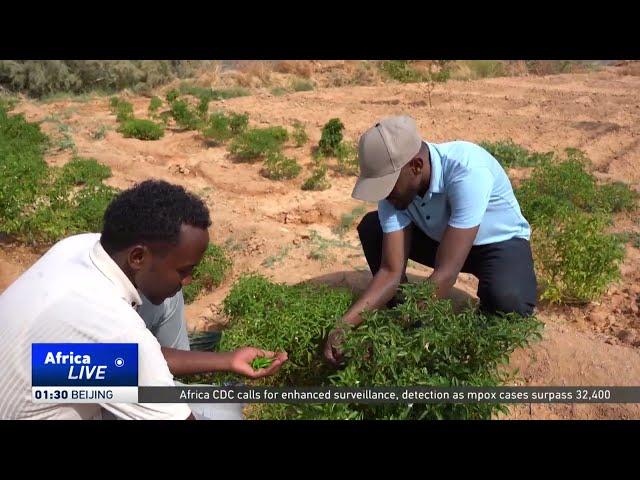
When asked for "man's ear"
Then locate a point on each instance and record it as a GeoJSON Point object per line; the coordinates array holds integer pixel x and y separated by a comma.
{"type": "Point", "coordinates": [417, 164]}
{"type": "Point", "coordinates": [138, 255]}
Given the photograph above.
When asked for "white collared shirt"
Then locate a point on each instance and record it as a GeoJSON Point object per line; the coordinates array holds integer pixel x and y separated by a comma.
{"type": "Point", "coordinates": [75, 293]}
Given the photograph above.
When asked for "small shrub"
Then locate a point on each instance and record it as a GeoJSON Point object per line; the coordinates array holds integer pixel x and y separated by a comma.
{"type": "Point", "coordinates": [279, 167]}
{"type": "Point", "coordinates": [184, 115]}
{"type": "Point", "coordinates": [217, 129]}
{"type": "Point", "coordinates": [300, 136]}
{"type": "Point", "coordinates": [318, 179]}
{"type": "Point", "coordinates": [238, 122]}
{"type": "Point", "coordinates": [347, 154]}
{"type": "Point", "coordinates": [258, 142]}
{"type": "Point", "coordinates": [510, 154]}
{"type": "Point", "coordinates": [81, 171]}
{"type": "Point", "coordinates": [121, 108]}
{"type": "Point", "coordinates": [401, 70]}
{"type": "Point", "coordinates": [154, 105]}
{"type": "Point", "coordinates": [448, 349]}
{"type": "Point", "coordinates": [575, 260]}
{"type": "Point", "coordinates": [209, 273]}
{"type": "Point", "coordinates": [300, 85]}
{"type": "Point", "coordinates": [172, 95]}
{"type": "Point", "coordinates": [141, 129]}
{"type": "Point", "coordinates": [331, 137]}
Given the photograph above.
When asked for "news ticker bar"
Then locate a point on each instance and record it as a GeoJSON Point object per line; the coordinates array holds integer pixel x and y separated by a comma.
{"type": "Point", "coordinates": [243, 394]}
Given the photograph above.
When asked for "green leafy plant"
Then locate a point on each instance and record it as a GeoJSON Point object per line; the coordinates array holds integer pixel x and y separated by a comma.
{"type": "Point", "coordinates": [217, 129]}
{"type": "Point", "coordinates": [318, 179]}
{"type": "Point", "coordinates": [331, 137]}
{"type": "Point", "coordinates": [347, 154]}
{"type": "Point", "coordinates": [41, 204]}
{"type": "Point", "coordinates": [238, 122]}
{"type": "Point", "coordinates": [575, 260]}
{"type": "Point", "coordinates": [401, 70]}
{"type": "Point", "coordinates": [172, 95]}
{"type": "Point", "coordinates": [421, 342]}
{"type": "Point", "coordinates": [279, 167]}
{"type": "Point", "coordinates": [300, 136]}
{"type": "Point", "coordinates": [510, 154]}
{"type": "Point", "coordinates": [258, 142]}
{"type": "Point", "coordinates": [141, 129]}
{"type": "Point", "coordinates": [185, 116]}
{"type": "Point", "coordinates": [154, 105]}
{"type": "Point", "coordinates": [122, 109]}
{"type": "Point", "coordinates": [209, 273]}
{"type": "Point", "coordinates": [83, 171]}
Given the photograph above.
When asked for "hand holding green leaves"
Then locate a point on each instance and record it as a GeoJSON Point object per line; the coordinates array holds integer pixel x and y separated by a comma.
{"type": "Point", "coordinates": [244, 359]}
{"type": "Point", "coordinates": [332, 348]}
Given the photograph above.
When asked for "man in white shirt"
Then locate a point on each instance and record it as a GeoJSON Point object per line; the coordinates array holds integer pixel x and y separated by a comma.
{"type": "Point", "coordinates": [87, 289]}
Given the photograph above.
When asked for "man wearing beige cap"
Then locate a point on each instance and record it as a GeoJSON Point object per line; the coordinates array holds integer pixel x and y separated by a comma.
{"type": "Point", "coordinates": [449, 206]}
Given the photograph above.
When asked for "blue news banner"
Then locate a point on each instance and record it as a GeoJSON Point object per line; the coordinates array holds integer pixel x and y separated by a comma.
{"type": "Point", "coordinates": [84, 372]}
{"type": "Point", "coordinates": [108, 373]}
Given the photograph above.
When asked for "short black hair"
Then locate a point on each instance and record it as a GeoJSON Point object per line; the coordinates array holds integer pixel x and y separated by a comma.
{"type": "Point", "coordinates": [151, 211]}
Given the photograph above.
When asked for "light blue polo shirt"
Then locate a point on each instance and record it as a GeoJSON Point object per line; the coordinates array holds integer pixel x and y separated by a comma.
{"type": "Point", "coordinates": [468, 187]}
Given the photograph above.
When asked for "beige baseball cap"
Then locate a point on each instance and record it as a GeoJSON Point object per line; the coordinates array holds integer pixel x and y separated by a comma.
{"type": "Point", "coordinates": [383, 150]}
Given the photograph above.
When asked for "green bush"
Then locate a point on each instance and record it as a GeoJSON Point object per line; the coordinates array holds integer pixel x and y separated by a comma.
{"type": "Point", "coordinates": [401, 70]}
{"type": "Point", "coordinates": [510, 154]}
{"type": "Point", "coordinates": [42, 204]}
{"type": "Point", "coordinates": [561, 186]}
{"type": "Point", "coordinates": [172, 95]}
{"type": "Point", "coordinates": [302, 85]}
{"type": "Point", "coordinates": [209, 273]}
{"type": "Point", "coordinates": [258, 142]}
{"type": "Point", "coordinates": [203, 108]}
{"type": "Point", "coordinates": [23, 170]}
{"type": "Point", "coordinates": [575, 260]}
{"type": "Point", "coordinates": [280, 317]}
{"type": "Point", "coordinates": [81, 171]}
{"type": "Point", "coordinates": [318, 179]}
{"type": "Point", "coordinates": [185, 116]}
{"type": "Point", "coordinates": [221, 127]}
{"type": "Point", "coordinates": [238, 122]}
{"type": "Point", "coordinates": [279, 167]}
{"type": "Point", "coordinates": [141, 129]}
{"type": "Point", "coordinates": [331, 137]}
{"type": "Point", "coordinates": [448, 349]}
{"type": "Point", "coordinates": [569, 211]}
{"type": "Point", "coordinates": [616, 197]}
{"type": "Point", "coordinates": [300, 136]}
{"type": "Point", "coordinates": [124, 111]}
{"type": "Point", "coordinates": [154, 105]}
{"type": "Point", "coordinates": [217, 129]}
{"type": "Point", "coordinates": [347, 154]}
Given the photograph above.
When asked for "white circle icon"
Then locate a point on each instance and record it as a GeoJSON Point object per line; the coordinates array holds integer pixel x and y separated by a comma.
{"type": "Point", "coordinates": [119, 362]}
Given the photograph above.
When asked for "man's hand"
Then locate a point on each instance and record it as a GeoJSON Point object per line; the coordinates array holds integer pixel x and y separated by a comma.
{"type": "Point", "coordinates": [241, 359]}
{"type": "Point", "coordinates": [332, 348]}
